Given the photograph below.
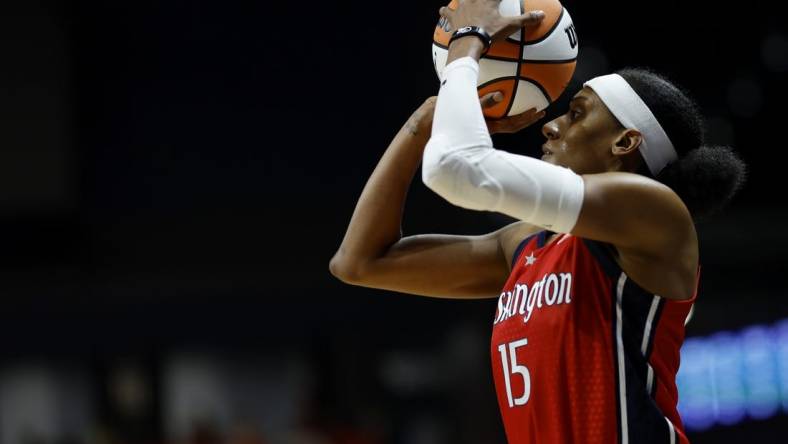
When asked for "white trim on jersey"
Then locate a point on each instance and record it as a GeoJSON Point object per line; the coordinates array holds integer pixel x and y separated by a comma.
{"type": "Point", "coordinates": [649, 320]}
{"type": "Point", "coordinates": [672, 431]}
{"type": "Point", "coordinates": [649, 378]}
{"type": "Point", "coordinates": [646, 336]}
{"type": "Point", "coordinates": [689, 315]}
{"type": "Point", "coordinates": [622, 377]}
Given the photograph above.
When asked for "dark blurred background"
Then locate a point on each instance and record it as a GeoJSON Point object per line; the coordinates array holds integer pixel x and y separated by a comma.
{"type": "Point", "coordinates": [175, 176]}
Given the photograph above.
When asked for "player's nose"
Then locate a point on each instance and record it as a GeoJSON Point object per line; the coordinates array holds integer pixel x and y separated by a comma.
{"type": "Point", "coordinates": [550, 130]}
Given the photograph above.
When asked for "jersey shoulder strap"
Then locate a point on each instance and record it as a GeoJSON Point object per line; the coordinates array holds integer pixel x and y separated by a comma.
{"type": "Point", "coordinates": [541, 236]}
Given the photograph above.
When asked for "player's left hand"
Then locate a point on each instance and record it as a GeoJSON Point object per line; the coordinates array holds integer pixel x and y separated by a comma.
{"type": "Point", "coordinates": [511, 124]}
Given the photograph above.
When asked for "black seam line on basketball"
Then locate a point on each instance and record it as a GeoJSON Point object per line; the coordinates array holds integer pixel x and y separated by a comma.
{"type": "Point", "coordinates": [541, 88]}
{"type": "Point", "coordinates": [548, 62]}
{"type": "Point", "coordinates": [526, 61]}
{"type": "Point", "coordinates": [519, 63]}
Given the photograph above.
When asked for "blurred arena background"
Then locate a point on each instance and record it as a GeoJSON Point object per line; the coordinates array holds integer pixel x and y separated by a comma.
{"type": "Point", "coordinates": [175, 176]}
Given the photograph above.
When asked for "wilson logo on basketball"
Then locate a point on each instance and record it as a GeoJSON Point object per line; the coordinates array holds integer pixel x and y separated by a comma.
{"type": "Point", "coordinates": [552, 289]}
{"type": "Point", "coordinates": [443, 23]}
{"type": "Point", "coordinates": [570, 32]}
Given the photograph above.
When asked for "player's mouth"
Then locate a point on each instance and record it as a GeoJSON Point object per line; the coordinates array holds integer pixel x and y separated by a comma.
{"type": "Point", "coordinates": [547, 152]}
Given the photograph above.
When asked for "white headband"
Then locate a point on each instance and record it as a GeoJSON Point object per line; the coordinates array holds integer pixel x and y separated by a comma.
{"type": "Point", "coordinates": [632, 112]}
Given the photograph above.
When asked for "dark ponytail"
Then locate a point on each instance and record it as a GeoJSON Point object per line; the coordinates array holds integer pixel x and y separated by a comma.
{"type": "Point", "coordinates": [705, 177]}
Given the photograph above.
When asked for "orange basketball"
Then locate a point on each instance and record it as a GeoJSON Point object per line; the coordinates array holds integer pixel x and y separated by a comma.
{"type": "Point", "coordinates": [531, 70]}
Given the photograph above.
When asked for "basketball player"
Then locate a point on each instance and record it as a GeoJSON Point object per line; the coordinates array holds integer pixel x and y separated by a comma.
{"type": "Point", "coordinates": [595, 279]}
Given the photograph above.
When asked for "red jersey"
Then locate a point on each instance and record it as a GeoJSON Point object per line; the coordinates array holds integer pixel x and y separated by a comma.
{"type": "Point", "coordinates": [581, 353]}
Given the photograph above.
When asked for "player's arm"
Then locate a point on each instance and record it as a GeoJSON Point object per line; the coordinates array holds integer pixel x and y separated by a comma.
{"type": "Point", "coordinates": [374, 253]}
{"type": "Point", "coordinates": [645, 220]}
{"type": "Point", "coordinates": [648, 224]}
{"type": "Point", "coordinates": [439, 265]}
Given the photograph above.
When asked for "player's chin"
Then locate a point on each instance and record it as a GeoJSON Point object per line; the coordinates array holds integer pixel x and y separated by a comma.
{"type": "Point", "coordinates": [549, 158]}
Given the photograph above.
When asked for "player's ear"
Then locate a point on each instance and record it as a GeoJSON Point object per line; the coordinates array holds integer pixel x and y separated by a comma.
{"type": "Point", "coordinates": [626, 141]}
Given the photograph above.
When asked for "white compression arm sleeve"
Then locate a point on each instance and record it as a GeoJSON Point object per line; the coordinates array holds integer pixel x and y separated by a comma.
{"type": "Point", "coordinates": [461, 165]}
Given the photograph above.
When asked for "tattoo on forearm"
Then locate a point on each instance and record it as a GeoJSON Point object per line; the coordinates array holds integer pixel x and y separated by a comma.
{"type": "Point", "coordinates": [412, 128]}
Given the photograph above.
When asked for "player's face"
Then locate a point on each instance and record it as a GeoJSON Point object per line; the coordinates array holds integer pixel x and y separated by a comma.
{"type": "Point", "coordinates": [582, 139]}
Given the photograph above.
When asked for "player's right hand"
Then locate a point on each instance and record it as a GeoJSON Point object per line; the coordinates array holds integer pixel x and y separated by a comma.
{"type": "Point", "coordinates": [511, 124]}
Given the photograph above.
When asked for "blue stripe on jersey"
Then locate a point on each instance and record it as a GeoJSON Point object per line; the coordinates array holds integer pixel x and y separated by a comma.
{"type": "Point", "coordinates": [638, 416]}
{"type": "Point", "coordinates": [635, 316]}
{"type": "Point", "coordinates": [604, 258]}
{"type": "Point", "coordinates": [646, 423]}
{"type": "Point", "coordinates": [640, 320]}
{"type": "Point", "coordinates": [520, 247]}
{"type": "Point", "coordinates": [543, 238]}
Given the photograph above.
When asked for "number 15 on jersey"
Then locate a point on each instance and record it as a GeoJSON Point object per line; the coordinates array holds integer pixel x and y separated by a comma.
{"type": "Point", "coordinates": [508, 356]}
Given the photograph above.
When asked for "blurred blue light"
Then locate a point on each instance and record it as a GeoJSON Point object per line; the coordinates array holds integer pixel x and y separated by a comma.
{"type": "Point", "coordinates": [760, 372]}
{"type": "Point", "coordinates": [730, 376]}
{"type": "Point", "coordinates": [695, 385]}
{"type": "Point", "coordinates": [781, 337]}
{"type": "Point", "coordinates": [727, 378]}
